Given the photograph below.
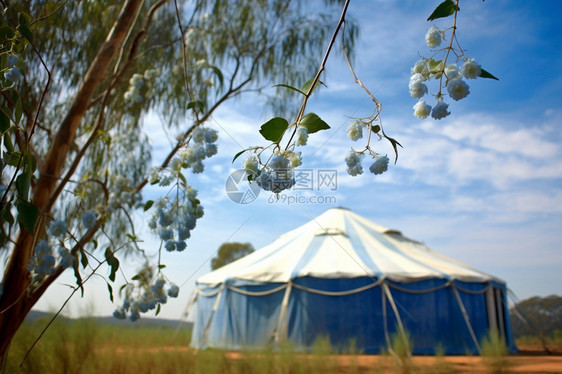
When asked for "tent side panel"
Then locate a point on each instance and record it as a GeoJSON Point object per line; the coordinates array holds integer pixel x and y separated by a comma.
{"type": "Point", "coordinates": [353, 319]}
{"type": "Point", "coordinates": [203, 310]}
{"type": "Point", "coordinates": [431, 316]}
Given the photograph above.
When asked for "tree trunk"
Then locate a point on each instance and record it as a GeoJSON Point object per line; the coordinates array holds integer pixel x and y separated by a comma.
{"type": "Point", "coordinates": [17, 299]}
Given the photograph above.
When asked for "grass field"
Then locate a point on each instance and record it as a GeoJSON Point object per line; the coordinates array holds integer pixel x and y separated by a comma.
{"type": "Point", "coordinates": [87, 346]}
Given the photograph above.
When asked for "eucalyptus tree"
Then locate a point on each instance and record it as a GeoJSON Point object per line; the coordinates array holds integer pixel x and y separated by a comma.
{"type": "Point", "coordinates": [78, 79]}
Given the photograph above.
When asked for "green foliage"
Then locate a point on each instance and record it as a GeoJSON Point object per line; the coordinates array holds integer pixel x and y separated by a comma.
{"type": "Point", "coordinates": [274, 129]}
{"type": "Point", "coordinates": [445, 9]}
{"type": "Point", "coordinates": [494, 353]}
{"type": "Point", "coordinates": [229, 252]}
{"type": "Point", "coordinates": [312, 123]}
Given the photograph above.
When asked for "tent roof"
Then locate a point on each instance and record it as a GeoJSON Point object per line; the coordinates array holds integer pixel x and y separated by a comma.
{"type": "Point", "coordinates": [342, 244]}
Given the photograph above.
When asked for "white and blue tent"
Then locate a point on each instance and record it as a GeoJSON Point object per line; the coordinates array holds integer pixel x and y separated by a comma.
{"type": "Point", "coordinates": [345, 277]}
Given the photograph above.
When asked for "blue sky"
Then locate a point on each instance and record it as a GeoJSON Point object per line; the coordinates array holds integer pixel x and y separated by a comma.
{"type": "Point", "coordinates": [483, 186]}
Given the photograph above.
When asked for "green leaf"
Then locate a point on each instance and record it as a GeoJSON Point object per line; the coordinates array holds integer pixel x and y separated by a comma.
{"type": "Point", "coordinates": [182, 177]}
{"type": "Point", "coordinates": [308, 83]}
{"type": "Point", "coordinates": [23, 183]}
{"type": "Point", "coordinates": [445, 9]}
{"type": "Point", "coordinates": [131, 236]}
{"type": "Point", "coordinates": [78, 277]}
{"type": "Point", "coordinates": [435, 65]}
{"type": "Point", "coordinates": [148, 205]}
{"type": "Point", "coordinates": [110, 289]}
{"type": "Point", "coordinates": [6, 32]}
{"type": "Point", "coordinates": [218, 73]}
{"type": "Point", "coordinates": [291, 88]}
{"type": "Point", "coordinates": [136, 277]}
{"type": "Point", "coordinates": [239, 154]}
{"type": "Point", "coordinates": [157, 309]}
{"type": "Point", "coordinates": [485, 74]}
{"type": "Point", "coordinates": [25, 32]}
{"type": "Point", "coordinates": [27, 214]}
{"type": "Point", "coordinates": [161, 266]}
{"type": "Point", "coordinates": [122, 288]}
{"type": "Point", "coordinates": [274, 129]}
{"type": "Point", "coordinates": [196, 105]}
{"type": "Point", "coordinates": [24, 18]}
{"type": "Point", "coordinates": [4, 122]}
{"type": "Point", "coordinates": [6, 214]}
{"type": "Point", "coordinates": [113, 262]}
{"type": "Point", "coordinates": [83, 259]}
{"type": "Point", "coordinates": [8, 143]}
{"type": "Point", "coordinates": [18, 111]}
{"type": "Point", "coordinates": [312, 123]}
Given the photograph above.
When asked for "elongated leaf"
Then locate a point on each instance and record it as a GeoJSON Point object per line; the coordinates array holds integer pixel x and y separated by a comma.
{"type": "Point", "coordinates": [110, 289]}
{"type": "Point", "coordinates": [6, 32]}
{"type": "Point", "coordinates": [312, 123]}
{"type": "Point", "coordinates": [83, 259]}
{"type": "Point", "coordinates": [25, 32]}
{"type": "Point", "coordinates": [196, 105]}
{"type": "Point", "coordinates": [113, 263]}
{"type": "Point", "coordinates": [445, 9]}
{"type": "Point", "coordinates": [274, 129]}
{"type": "Point", "coordinates": [18, 111]}
{"type": "Point", "coordinates": [308, 83]}
{"type": "Point", "coordinates": [291, 88]}
{"type": "Point", "coordinates": [238, 154]}
{"type": "Point", "coordinates": [148, 205]}
{"type": "Point", "coordinates": [485, 74]}
{"type": "Point", "coordinates": [219, 75]}
{"type": "Point", "coordinates": [23, 184]}
{"type": "Point", "coordinates": [4, 122]}
{"type": "Point", "coordinates": [78, 277]}
{"type": "Point", "coordinates": [24, 18]}
{"type": "Point", "coordinates": [27, 214]}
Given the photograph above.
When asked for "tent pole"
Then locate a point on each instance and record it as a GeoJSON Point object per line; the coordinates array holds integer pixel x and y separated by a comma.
{"type": "Point", "coordinates": [492, 310]}
{"type": "Point", "coordinates": [281, 333]}
{"type": "Point", "coordinates": [210, 320]}
{"type": "Point", "coordinates": [465, 316]}
{"type": "Point", "coordinates": [395, 310]}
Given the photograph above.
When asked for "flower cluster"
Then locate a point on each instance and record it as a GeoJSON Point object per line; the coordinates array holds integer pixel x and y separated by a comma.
{"type": "Point", "coordinates": [277, 175]}
{"type": "Point", "coordinates": [43, 260]}
{"type": "Point", "coordinates": [147, 294]}
{"type": "Point", "coordinates": [42, 263]}
{"type": "Point", "coordinates": [138, 86]}
{"type": "Point", "coordinates": [450, 76]}
{"type": "Point", "coordinates": [174, 220]}
{"type": "Point", "coordinates": [202, 146]}
{"type": "Point", "coordinates": [12, 74]}
{"type": "Point", "coordinates": [121, 193]}
{"type": "Point", "coordinates": [354, 167]}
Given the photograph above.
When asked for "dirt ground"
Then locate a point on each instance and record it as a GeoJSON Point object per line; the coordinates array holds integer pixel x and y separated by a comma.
{"type": "Point", "coordinates": [526, 361]}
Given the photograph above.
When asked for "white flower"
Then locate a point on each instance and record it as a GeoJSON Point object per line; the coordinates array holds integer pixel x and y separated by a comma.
{"type": "Point", "coordinates": [355, 130]}
{"type": "Point", "coordinates": [421, 109]}
{"type": "Point", "coordinates": [421, 68]}
{"type": "Point", "coordinates": [173, 291]}
{"type": "Point", "coordinates": [250, 165]}
{"type": "Point", "coordinates": [379, 166]}
{"type": "Point", "coordinates": [470, 69]}
{"type": "Point", "coordinates": [89, 219]}
{"type": "Point", "coordinates": [294, 159]}
{"type": "Point", "coordinates": [302, 135]}
{"type": "Point", "coordinates": [457, 89]}
{"type": "Point", "coordinates": [57, 228]}
{"type": "Point", "coordinates": [433, 37]}
{"type": "Point", "coordinates": [440, 110]}
{"type": "Point", "coordinates": [278, 162]}
{"type": "Point", "coordinates": [452, 72]}
{"type": "Point", "coordinates": [211, 135]}
{"type": "Point", "coordinates": [353, 161]}
{"type": "Point", "coordinates": [416, 86]}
